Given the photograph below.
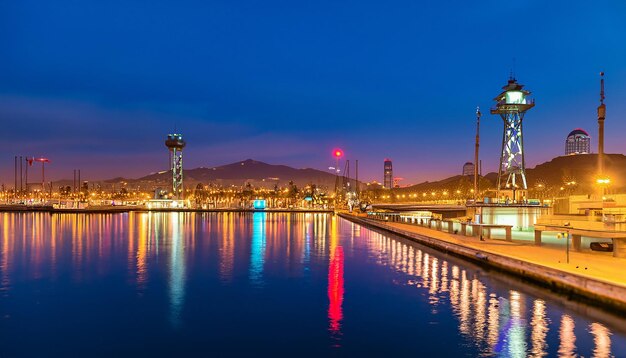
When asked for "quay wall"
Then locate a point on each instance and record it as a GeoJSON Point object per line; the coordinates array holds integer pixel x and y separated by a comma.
{"type": "Point", "coordinates": [593, 291]}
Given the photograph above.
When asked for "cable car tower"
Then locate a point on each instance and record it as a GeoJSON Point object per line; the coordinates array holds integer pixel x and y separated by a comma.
{"type": "Point", "coordinates": [175, 143]}
{"type": "Point", "coordinates": [511, 105]}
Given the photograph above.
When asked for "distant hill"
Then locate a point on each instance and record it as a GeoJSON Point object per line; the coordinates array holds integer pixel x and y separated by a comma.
{"type": "Point", "coordinates": [581, 169]}
{"type": "Point", "coordinates": [256, 172]}
{"type": "Point", "coordinates": [552, 175]}
{"type": "Point", "coordinates": [458, 182]}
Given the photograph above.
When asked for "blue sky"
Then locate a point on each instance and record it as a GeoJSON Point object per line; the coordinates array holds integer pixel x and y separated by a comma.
{"type": "Point", "coordinates": [97, 85]}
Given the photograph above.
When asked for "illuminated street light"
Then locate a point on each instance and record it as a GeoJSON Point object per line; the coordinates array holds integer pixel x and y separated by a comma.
{"type": "Point", "coordinates": [603, 183]}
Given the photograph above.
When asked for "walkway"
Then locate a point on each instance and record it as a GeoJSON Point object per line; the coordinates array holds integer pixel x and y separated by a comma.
{"type": "Point", "coordinates": [593, 265]}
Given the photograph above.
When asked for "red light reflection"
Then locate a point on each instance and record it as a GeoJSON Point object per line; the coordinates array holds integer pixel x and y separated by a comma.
{"type": "Point", "coordinates": [335, 289]}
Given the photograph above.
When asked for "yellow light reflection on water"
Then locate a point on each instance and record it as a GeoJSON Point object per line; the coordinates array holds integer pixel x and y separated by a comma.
{"type": "Point", "coordinates": [499, 322]}
{"type": "Point", "coordinates": [142, 251]}
{"type": "Point", "coordinates": [539, 328]}
{"type": "Point", "coordinates": [601, 339]}
{"type": "Point", "coordinates": [227, 249]}
{"type": "Point", "coordinates": [567, 346]}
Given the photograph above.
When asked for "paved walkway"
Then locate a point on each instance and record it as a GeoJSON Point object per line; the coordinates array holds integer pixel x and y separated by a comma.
{"type": "Point", "coordinates": [595, 265]}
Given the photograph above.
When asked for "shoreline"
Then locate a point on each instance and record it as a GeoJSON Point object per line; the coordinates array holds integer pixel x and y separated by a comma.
{"type": "Point", "coordinates": [126, 209]}
{"type": "Point", "coordinates": [594, 291]}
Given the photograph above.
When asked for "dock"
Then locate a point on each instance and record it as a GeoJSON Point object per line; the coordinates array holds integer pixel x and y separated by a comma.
{"type": "Point", "coordinates": [595, 278]}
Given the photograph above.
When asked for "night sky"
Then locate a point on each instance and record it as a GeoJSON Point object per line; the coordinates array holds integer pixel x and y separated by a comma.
{"type": "Point", "coordinates": [97, 85]}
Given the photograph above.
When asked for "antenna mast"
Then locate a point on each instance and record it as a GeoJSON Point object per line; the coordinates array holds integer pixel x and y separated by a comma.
{"type": "Point", "coordinates": [476, 164]}
{"type": "Point", "coordinates": [601, 117]}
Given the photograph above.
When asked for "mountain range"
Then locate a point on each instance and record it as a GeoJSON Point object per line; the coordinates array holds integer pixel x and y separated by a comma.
{"type": "Point", "coordinates": [258, 174]}
{"type": "Point", "coordinates": [580, 169]}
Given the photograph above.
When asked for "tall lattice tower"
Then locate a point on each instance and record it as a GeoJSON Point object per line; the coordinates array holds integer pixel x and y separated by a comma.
{"type": "Point", "coordinates": [175, 143]}
{"type": "Point", "coordinates": [511, 105]}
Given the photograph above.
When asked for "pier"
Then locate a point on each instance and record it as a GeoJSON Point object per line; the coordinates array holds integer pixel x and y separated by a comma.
{"type": "Point", "coordinates": [589, 277]}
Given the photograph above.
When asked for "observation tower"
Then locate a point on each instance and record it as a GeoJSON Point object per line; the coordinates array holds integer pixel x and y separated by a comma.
{"type": "Point", "coordinates": [511, 105]}
{"type": "Point", "coordinates": [175, 144]}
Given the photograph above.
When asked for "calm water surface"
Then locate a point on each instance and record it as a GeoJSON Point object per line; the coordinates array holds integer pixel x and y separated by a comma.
{"type": "Point", "coordinates": [184, 284]}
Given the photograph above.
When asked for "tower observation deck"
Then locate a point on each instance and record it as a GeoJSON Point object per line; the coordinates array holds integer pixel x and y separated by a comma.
{"type": "Point", "coordinates": [511, 105]}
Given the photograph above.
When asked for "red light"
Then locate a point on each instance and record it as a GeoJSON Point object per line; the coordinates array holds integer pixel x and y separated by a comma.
{"type": "Point", "coordinates": [338, 153]}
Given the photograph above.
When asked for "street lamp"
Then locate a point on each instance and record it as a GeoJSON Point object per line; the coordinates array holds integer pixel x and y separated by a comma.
{"type": "Point", "coordinates": [566, 236]}
{"type": "Point", "coordinates": [603, 182]}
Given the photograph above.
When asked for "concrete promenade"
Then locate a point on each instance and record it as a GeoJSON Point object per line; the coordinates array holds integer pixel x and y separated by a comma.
{"type": "Point", "coordinates": [590, 276]}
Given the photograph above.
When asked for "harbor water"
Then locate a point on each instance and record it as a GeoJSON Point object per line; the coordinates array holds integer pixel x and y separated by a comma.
{"type": "Point", "coordinates": [261, 284]}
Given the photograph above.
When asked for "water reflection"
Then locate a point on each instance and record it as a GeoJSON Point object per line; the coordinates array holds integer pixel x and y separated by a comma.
{"type": "Point", "coordinates": [497, 320]}
{"type": "Point", "coordinates": [227, 249]}
{"type": "Point", "coordinates": [539, 326]}
{"type": "Point", "coordinates": [567, 348]}
{"type": "Point", "coordinates": [143, 248]}
{"type": "Point", "coordinates": [4, 259]}
{"type": "Point", "coordinates": [335, 283]}
{"type": "Point", "coordinates": [165, 257]}
{"type": "Point", "coordinates": [257, 249]}
{"type": "Point", "coordinates": [177, 269]}
{"type": "Point", "coordinates": [602, 340]}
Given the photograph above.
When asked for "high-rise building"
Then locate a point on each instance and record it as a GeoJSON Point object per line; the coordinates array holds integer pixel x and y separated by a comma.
{"type": "Point", "coordinates": [578, 142]}
{"type": "Point", "coordinates": [468, 169]}
{"type": "Point", "coordinates": [388, 174]}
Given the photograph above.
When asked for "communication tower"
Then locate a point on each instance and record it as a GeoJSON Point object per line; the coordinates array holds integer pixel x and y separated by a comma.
{"type": "Point", "coordinates": [601, 117]}
{"type": "Point", "coordinates": [339, 185]}
{"type": "Point", "coordinates": [511, 105]}
{"type": "Point", "coordinates": [175, 144]}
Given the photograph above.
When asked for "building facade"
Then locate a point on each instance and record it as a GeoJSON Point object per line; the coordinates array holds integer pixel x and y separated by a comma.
{"type": "Point", "coordinates": [387, 174]}
{"type": "Point", "coordinates": [578, 142]}
{"type": "Point", "coordinates": [468, 169]}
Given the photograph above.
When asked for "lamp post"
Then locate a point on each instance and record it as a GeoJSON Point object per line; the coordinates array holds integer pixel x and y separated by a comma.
{"type": "Point", "coordinates": [603, 182]}
{"type": "Point", "coordinates": [566, 236]}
